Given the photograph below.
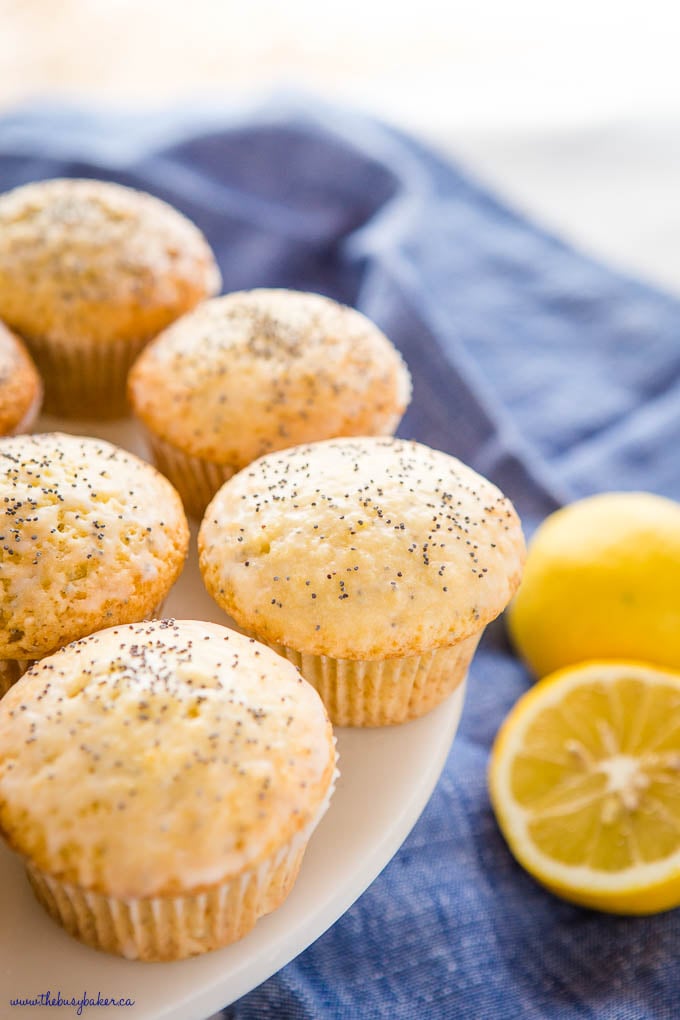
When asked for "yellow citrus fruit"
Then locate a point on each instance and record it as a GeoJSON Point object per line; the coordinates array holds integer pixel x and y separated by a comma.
{"type": "Point", "coordinates": [601, 580]}
{"type": "Point", "coordinates": [585, 785]}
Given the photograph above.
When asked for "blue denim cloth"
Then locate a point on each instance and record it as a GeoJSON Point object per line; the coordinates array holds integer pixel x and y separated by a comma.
{"type": "Point", "coordinates": [548, 372]}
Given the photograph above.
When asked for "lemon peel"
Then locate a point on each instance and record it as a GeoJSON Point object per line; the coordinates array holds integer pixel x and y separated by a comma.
{"type": "Point", "coordinates": [584, 780]}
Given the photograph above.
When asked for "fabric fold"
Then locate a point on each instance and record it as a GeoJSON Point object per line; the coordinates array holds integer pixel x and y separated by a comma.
{"type": "Point", "coordinates": [545, 370]}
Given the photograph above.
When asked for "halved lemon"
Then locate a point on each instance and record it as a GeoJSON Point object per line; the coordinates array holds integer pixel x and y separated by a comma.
{"type": "Point", "coordinates": [585, 784]}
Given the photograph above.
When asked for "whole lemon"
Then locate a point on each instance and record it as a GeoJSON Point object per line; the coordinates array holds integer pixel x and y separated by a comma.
{"type": "Point", "coordinates": [601, 581]}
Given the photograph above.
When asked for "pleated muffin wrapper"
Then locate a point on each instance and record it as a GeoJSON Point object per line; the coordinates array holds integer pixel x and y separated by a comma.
{"type": "Point", "coordinates": [164, 928]}
{"type": "Point", "coordinates": [195, 478]}
{"type": "Point", "coordinates": [85, 380]}
{"type": "Point", "coordinates": [12, 670]}
{"type": "Point", "coordinates": [383, 692]}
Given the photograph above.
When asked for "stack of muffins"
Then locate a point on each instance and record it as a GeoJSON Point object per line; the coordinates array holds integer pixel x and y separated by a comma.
{"type": "Point", "coordinates": [359, 569]}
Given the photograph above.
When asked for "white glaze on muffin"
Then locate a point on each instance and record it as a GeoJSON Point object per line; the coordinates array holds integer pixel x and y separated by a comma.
{"type": "Point", "coordinates": [160, 759]}
{"type": "Point", "coordinates": [260, 370]}
{"type": "Point", "coordinates": [86, 261]}
{"type": "Point", "coordinates": [90, 535]}
{"type": "Point", "coordinates": [361, 549]}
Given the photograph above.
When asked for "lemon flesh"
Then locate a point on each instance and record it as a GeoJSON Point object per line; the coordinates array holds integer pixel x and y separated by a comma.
{"type": "Point", "coordinates": [601, 581]}
{"type": "Point", "coordinates": [585, 784]}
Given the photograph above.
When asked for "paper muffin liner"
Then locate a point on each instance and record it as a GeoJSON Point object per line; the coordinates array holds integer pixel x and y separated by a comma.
{"type": "Point", "coordinates": [382, 692]}
{"type": "Point", "coordinates": [175, 927]}
{"type": "Point", "coordinates": [12, 670]}
{"type": "Point", "coordinates": [196, 479]}
{"type": "Point", "coordinates": [85, 380]}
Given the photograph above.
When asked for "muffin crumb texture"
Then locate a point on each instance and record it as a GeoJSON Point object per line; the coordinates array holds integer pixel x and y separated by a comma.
{"type": "Point", "coordinates": [160, 759]}
{"type": "Point", "coordinates": [89, 536]}
{"type": "Point", "coordinates": [20, 385]}
{"type": "Point", "coordinates": [361, 549]}
{"type": "Point", "coordinates": [85, 260]}
{"type": "Point", "coordinates": [261, 370]}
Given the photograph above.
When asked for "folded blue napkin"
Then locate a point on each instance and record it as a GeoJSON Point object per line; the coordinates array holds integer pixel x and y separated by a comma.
{"type": "Point", "coordinates": [547, 372]}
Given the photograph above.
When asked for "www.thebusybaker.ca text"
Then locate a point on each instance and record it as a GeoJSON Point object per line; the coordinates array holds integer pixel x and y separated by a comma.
{"type": "Point", "coordinates": [78, 1004]}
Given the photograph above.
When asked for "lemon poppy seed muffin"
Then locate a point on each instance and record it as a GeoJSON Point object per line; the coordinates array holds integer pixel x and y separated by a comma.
{"type": "Point", "coordinates": [161, 782]}
{"type": "Point", "coordinates": [89, 272]}
{"type": "Point", "coordinates": [89, 536]}
{"type": "Point", "coordinates": [373, 564]}
{"type": "Point", "coordinates": [257, 371]}
{"type": "Point", "coordinates": [20, 386]}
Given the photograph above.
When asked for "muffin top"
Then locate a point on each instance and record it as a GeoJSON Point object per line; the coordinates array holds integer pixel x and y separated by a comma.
{"type": "Point", "coordinates": [265, 369]}
{"type": "Point", "coordinates": [160, 758]}
{"type": "Point", "coordinates": [89, 536]}
{"type": "Point", "coordinates": [93, 261]}
{"type": "Point", "coordinates": [365, 548]}
{"type": "Point", "coordinates": [20, 385]}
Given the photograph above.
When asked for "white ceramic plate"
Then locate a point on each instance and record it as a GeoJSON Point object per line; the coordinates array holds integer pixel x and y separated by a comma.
{"type": "Point", "coordinates": [386, 778]}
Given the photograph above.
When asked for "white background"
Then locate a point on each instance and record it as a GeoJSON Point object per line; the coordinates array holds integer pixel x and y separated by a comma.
{"type": "Point", "coordinates": [570, 109]}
